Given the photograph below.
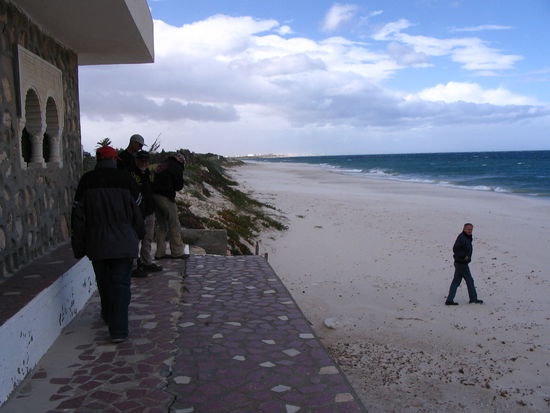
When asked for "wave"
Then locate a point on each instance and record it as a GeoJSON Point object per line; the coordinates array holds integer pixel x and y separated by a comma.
{"type": "Point", "coordinates": [396, 176]}
{"type": "Point", "coordinates": [522, 173]}
{"type": "Point", "coordinates": [485, 188]}
{"type": "Point", "coordinates": [339, 169]}
{"type": "Point", "coordinates": [382, 172]}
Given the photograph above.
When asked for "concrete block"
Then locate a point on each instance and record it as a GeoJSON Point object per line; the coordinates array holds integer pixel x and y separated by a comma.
{"type": "Point", "coordinates": [213, 241]}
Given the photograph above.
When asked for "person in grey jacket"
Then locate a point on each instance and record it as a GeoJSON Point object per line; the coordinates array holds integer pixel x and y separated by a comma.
{"type": "Point", "coordinates": [462, 254]}
{"type": "Point", "coordinates": [106, 226]}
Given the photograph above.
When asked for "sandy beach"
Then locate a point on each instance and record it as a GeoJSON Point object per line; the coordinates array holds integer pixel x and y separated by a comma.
{"type": "Point", "coordinates": [373, 260]}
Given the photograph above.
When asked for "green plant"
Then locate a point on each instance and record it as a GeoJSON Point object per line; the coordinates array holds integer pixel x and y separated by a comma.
{"type": "Point", "coordinates": [243, 221]}
{"type": "Point", "coordinates": [103, 142]}
{"type": "Point", "coordinates": [188, 220]}
{"type": "Point", "coordinates": [182, 203]}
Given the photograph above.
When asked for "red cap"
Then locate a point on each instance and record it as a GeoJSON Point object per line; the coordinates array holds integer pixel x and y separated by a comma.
{"type": "Point", "coordinates": [106, 152]}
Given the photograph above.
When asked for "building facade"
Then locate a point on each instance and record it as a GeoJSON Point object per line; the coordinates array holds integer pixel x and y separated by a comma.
{"type": "Point", "coordinates": [40, 150]}
{"type": "Point", "coordinates": [41, 47]}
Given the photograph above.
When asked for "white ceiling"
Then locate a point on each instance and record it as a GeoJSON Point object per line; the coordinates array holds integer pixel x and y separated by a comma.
{"type": "Point", "coordinates": [99, 31]}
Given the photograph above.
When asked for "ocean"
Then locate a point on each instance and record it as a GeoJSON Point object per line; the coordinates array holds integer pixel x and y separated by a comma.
{"type": "Point", "coordinates": [524, 172]}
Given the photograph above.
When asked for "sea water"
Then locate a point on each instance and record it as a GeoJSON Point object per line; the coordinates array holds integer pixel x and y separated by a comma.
{"type": "Point", "coordinates": [524, 172]}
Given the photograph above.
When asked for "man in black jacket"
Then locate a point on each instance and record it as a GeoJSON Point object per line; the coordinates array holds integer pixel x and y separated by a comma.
{"type": "Point", "coordinates": [127, 158]}
{"type": "Point", "coordinates": [168, 180]}
{"type": "Point", "coordinates": [462, 254]}
{"type": "Point", "coordinates": [106, 226]}
{"type": "Point", "coordinates": [147, 207]}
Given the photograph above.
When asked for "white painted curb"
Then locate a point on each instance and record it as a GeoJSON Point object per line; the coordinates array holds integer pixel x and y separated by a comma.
{"type": "Point", "coordinates": [28, 335]}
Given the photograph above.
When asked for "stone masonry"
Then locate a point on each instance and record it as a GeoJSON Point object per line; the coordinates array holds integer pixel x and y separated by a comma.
{"type": "Point", "coordinates": [35, 193]}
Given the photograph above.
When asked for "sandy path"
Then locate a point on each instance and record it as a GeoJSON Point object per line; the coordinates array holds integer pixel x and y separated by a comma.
{"type": "Point", "coordinates": [376, 257]}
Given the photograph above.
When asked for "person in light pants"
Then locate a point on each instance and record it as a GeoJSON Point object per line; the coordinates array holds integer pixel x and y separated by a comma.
{"type": "Point", "coordinates": [168, 180]}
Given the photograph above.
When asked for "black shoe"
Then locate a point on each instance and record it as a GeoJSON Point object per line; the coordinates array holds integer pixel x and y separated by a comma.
{"type": "Point", "coordinates": [139, 273]}
{"type": "Point", "coordinates": [180, 257]}
{"type": "Point", "coordinates": [150, 267]}
{"type": "Point", "coordinates": [476, 301]}
{"type": "Point", "coordinates": [450, 303]}
{"type": "Point", "coordinates": [163, 257]}
{"type": "Point", "coordinates": [116, 340]}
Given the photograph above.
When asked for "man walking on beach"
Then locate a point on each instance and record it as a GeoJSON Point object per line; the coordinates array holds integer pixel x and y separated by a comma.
{"type": "Point", "coordinates": [462, 253]}
{"type": "Point", "coordinates": [106, 226]}
{"type": "Point", "coordinates": [168, 180]}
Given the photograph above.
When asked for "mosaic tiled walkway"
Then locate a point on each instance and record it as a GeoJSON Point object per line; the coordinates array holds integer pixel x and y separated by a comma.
{"type": "Point", "coordinates": [226, 338]}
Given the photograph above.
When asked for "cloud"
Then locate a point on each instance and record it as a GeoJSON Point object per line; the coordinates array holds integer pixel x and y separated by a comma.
{"type": "Point", "coordinates": [231, 61]}
{"type": "Point", "coordinates": [472, 53]}
{"type": "Point", "coordinates": [284, 30]}
{"type": "Point", "coordinates": [337, 15]}
{"type": "Point", "coordinates": [473, 93]}
{"type": "Point", "coordinates": [406, 56]}
{"type": "Point", "coordinates": [475, 55]}
{"type": "Point", "coordinates": [233, 75]}
{"type": "Point", "coordinates": [481, 28]}
{"type": "Point", "coordinates": [374, 106]}
{"type": "Point", "coordinates": [217, 34]}
{"type": "Point", "coordinates": [392, 28]}
{"type": "Point", "coordinates": [116, 106]}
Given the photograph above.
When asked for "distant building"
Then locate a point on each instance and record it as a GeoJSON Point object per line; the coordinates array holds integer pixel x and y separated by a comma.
{"type": "Point", "coordinates": [42, 43]}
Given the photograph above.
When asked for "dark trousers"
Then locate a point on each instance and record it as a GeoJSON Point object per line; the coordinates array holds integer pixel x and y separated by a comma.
{"type": "Point", "coordinates": [113, 277]}
{"type": "Point", "coordinates": [462, 271]}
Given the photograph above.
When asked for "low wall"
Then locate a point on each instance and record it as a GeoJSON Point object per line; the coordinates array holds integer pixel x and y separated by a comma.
{"type": "Point", "coordinates": [213, 241]}
{"type": "Point", "coordinates": [28, 334]}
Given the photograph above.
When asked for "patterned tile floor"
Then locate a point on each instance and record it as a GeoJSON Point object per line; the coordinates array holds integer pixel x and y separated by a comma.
{"type": "Point", "coordinates": [223, 335]}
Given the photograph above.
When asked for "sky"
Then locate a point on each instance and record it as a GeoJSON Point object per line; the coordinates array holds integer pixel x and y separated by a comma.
{"type": "Point", "coordinates": [316, 77]}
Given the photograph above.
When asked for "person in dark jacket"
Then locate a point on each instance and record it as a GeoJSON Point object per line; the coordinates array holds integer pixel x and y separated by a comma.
{"type": "Point", "coordinates": [127, 158]}
{"type": "Point", "coordinates": [106, 225]}
{"type": "Point", "coordinates": [168, 180]}
{"type": "Point", "coordinates": [462, 254]}
{"type": "Point", "coordinates": [147, 207]}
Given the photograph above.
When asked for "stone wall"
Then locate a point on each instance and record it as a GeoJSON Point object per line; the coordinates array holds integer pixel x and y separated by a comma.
{"type": "Point", "coordinates": [35, 197]}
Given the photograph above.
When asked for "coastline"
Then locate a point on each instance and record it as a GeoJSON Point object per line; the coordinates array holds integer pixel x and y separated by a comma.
{"type": "Point", "coordinates": [375, 257]}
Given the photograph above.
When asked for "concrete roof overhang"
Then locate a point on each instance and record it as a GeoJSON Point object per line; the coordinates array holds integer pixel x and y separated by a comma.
{"type": "Point", "coordinates": [98, 31]}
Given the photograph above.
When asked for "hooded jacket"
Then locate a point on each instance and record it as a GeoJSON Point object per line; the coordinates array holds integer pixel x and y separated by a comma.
{"type": "Point", "coordinates": [169, 178]}
{"type": "Point", "coordinates": [463, 248]}
{"type": "Point", "coordinates": [106, 222]}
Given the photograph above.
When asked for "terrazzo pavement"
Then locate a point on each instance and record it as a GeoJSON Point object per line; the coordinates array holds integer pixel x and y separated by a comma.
{"type": "Point", "coordinates": [209, 334]}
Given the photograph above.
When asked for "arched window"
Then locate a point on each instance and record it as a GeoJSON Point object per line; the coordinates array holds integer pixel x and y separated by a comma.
{"type": "Point", "coordinates": [42, 111]}
{"type": "Point", "coordinates": [26, 145]}
{"type": "Point", "coordinates": [46, 147]}
{"type": "Point", "coordinates": [33, 126]}
{"type": "Point", "coordinates": [51, 136]}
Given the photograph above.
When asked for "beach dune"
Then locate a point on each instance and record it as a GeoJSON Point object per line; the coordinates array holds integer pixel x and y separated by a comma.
{"type": "Point", "coordinates": [374, 257]}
